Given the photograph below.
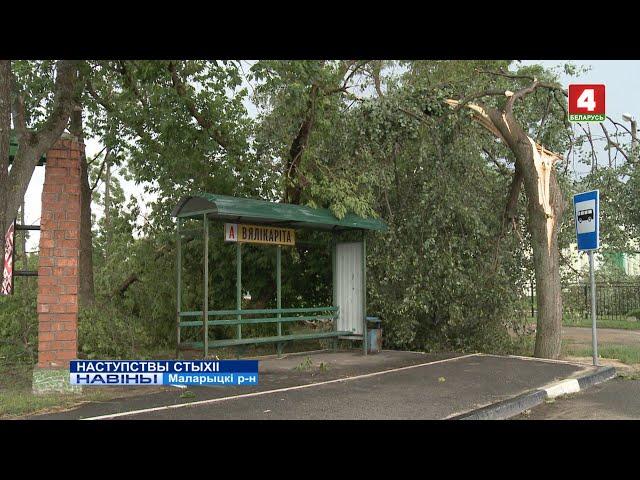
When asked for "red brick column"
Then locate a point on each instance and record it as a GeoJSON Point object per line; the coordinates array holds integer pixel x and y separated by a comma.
{"type": "Point", "coordinates": [58, 279]}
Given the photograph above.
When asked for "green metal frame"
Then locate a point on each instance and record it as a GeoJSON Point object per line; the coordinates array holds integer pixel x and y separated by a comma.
{"type": "Point", "coordinates": [219, 207]}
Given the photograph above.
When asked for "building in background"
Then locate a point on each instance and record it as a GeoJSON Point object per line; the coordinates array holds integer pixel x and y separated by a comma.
{"type": "Point", "coordinates": [630, 264]}
{"type": "Point", "coordinates": [579, 261]}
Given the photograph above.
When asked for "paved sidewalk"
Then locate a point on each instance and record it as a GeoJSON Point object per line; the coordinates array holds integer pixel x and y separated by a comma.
{"type": "Point", "coordinates": [605, 335]}
{"type": "Point", "coordinates": [617, 399]}
{"type": "Point", "coordinates": [346, 385]}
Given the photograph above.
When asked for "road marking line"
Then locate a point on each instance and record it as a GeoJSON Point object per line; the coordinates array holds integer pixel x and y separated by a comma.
{"type": "Point", "coordinates": [535, 359]}
{"type": "Point", "coordinates": [266, 392]}
{"type": "Point", "coordinates": [403, 351]}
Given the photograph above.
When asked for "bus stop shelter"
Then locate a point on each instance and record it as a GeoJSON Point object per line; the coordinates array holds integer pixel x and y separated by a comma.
{"type": "Point", "coordinates": [268, 223]}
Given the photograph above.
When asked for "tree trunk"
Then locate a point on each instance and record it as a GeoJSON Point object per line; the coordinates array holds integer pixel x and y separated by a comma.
{"type": "Point", "coordinates": [545, 209]}
{"type": "Point", "coordinates": [544, 241]}
{"type": "Point", "coordinates": [33, 144]}
{"type": "Point", "coordinates": [295, 181]}
{"type": "Point", "coordinates": [86, 293]}
{"type": "Point", "coordinates": [107, 201]}
{"type": "Point", "coordinates": [545, 206]}
{"type": "Point", "coordinates": [5, 125]}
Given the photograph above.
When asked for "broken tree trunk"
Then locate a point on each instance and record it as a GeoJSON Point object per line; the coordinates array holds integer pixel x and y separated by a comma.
{"type": "Point", "coordinates": [545, 207]}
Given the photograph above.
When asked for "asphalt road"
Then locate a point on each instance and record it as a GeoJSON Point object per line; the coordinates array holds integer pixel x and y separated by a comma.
{"type": "Point", "coordinates": [617, 399]}
{"type": "Point", "coordinates": [605, 335]}
{"type": "Point", "coordinates": [436, 390]}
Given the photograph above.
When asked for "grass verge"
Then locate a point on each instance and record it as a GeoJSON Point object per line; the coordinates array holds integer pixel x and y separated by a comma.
{"type": "Point", "coordinates": [17, 400]}
{"type": "Point", "coordinates": [629, 354]}
{"type": "Point", "coordinates": [604, 322]}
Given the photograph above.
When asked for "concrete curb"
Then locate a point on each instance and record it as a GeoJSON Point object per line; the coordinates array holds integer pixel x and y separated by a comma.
{"type": "Point", "coordinates": [601, 375]}
{"type": "Point", "coordinates": [516, 405]}
{"type": "Point", "coordinates": [505, 409]}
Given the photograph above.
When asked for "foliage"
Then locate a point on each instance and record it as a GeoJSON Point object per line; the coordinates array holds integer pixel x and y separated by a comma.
{"type": "Point", "coordinates": [19, 323]}
{"type": "Point", "coordinates": [182, 125]}
{"type": "Point", "coordinates": [446, 275]}
{"type": "Point", "coordinates": [109, 332]}
{"type": "Point", "coordinates": [378, 140]}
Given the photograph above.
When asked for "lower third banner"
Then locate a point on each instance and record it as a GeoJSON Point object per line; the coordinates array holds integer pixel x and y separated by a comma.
{"type": "Point", "coordinates": [163, 372]}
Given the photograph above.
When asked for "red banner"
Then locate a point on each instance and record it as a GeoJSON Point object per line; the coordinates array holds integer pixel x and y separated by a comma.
{"type": "Point", "coordinates": [7, 272]}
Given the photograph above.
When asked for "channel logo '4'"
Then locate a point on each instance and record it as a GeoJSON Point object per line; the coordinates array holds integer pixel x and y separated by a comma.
{"type": "Point", "coordinates": [587, 103]}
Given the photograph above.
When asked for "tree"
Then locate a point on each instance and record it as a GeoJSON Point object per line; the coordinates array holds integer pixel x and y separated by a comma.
{"type": "Point", "coordinates": [437, 278]}
{"type": "Point", "coordinates": [302, 103]}
{"type": "Point", "coordinates": [86, 293]}
{"type": "Point", "coordinates": [534, 167]}
{"type": "Point", "coordinates": [39, 98]}
{"type": "Point", "coordinates": [181, 124]}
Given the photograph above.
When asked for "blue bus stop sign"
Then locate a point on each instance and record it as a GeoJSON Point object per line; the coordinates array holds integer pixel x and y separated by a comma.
{"type": "Point", "coordinates": [586, 209]}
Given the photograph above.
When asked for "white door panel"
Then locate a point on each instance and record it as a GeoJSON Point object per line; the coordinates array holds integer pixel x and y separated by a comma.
{"type": "Point", "coordinates": [349, 287]}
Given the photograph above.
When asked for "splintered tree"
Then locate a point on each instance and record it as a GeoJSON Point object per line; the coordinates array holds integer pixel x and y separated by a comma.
{"type": "Point", "coordinates": [534, 168]}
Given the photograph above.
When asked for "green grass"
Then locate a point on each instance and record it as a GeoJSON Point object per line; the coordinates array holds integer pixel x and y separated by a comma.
{"type": "Point", "coordinates": [629, 354]}
{"type": "Point", "coordinates": [16, 398]}
{"type": "Point", "coordinates": [602, 322]}
{"type": "Point", "coordinates": [15, 403]}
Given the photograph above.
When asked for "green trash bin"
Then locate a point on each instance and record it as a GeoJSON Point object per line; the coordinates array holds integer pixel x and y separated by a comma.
{"type": "Point", "coordinates": [374, 335]}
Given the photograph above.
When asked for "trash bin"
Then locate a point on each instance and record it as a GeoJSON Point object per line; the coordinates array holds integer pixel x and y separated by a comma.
{"type": "Point", "coordinates": [374, 332]}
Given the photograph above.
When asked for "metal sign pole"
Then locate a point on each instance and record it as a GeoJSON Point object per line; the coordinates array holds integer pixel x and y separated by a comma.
{"type": "Point", "coordinates": [594, 335]}
{"type": "Point", "coordinates": [178, 285]}
{"type": "Point", "coordinates": [586, 206]}
{"type": "Point", "coordinates": [205, 306]}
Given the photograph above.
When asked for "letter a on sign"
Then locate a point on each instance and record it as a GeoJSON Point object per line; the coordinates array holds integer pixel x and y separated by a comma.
{"type": "Point", "coordinates": [230, 232]}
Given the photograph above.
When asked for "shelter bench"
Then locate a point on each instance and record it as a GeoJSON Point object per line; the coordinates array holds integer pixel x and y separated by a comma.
{"type": "Point", "coordinates": [324, 313]}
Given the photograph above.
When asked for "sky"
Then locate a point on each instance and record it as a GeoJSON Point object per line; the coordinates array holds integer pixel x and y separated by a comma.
{"type": "Point", "coordinates": [622, 96]}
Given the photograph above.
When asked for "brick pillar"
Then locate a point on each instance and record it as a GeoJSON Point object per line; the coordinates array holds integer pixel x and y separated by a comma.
{"type": "Point", "coordinates": [58, 279]}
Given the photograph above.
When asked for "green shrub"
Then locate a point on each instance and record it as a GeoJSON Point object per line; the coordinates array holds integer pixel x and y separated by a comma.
{"type": "Point", "coordinates": [19, 323]}
{"type": "Point", "coordinates": [107, 332]}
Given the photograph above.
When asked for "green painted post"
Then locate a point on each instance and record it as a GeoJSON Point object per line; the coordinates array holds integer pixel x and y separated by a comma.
{"type": "Point", "coordinates": [364, 290]}
{"type": "Point", "coordinates": [279, 292]}
{"type": "Point", "coordinates": [178, 287]}
{"type": "Point", "coordinates": [239, 286]}
{"type": "Point", "coordinates": [205, 311]}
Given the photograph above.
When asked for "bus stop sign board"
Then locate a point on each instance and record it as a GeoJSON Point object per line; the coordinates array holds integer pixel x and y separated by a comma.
{"type": "Point", "coordinates": [586, 208]}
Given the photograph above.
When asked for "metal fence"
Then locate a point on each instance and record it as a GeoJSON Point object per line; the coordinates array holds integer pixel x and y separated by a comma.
{"type": "Point", "coordinates": [615, 300]}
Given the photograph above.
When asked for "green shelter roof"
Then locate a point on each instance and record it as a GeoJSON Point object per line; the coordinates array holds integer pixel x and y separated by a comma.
{"type": "Point", "coordinates": [248, 210]}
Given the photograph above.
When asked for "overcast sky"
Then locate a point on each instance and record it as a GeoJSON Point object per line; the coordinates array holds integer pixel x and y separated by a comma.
{"type": "Point", "coordinates": [622, 96]}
